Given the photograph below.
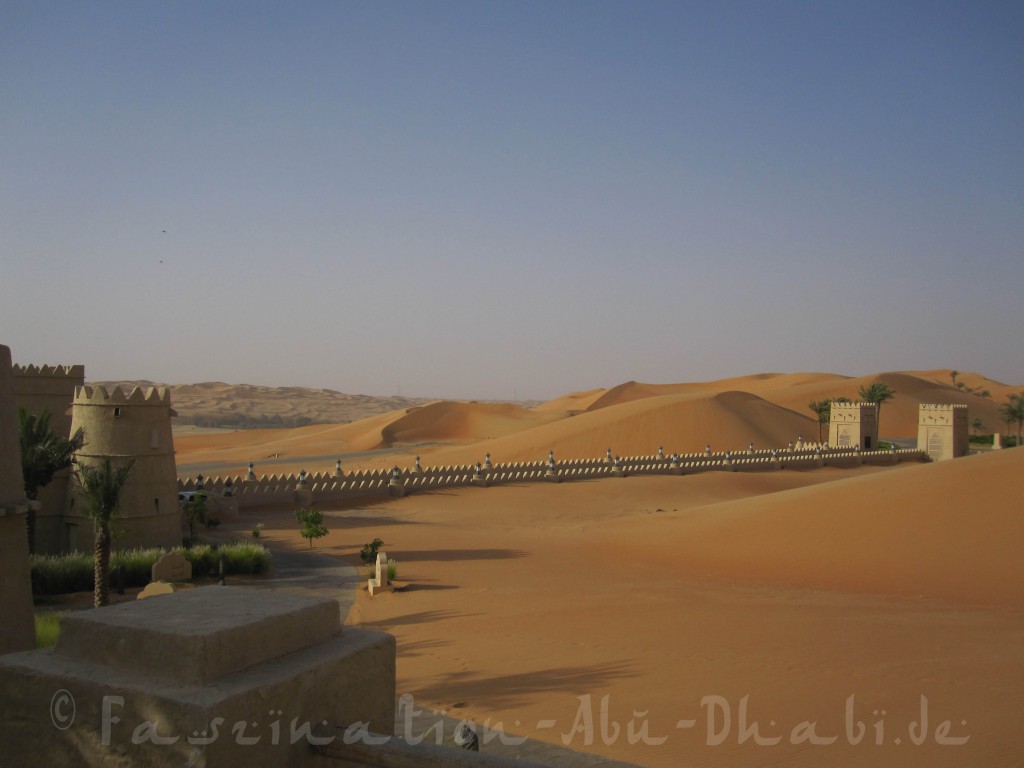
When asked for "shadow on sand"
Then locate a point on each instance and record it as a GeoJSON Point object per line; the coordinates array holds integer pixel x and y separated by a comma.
{"type": "Point", "coordinates": [517, 689]}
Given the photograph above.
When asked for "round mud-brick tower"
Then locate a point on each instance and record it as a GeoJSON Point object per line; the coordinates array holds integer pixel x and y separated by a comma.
{"type": "Point", "coordinates": [137, 426]}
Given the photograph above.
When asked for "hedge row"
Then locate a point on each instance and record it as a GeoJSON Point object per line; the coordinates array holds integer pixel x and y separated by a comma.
{"type": "Point", "coordinates": [60, 574]}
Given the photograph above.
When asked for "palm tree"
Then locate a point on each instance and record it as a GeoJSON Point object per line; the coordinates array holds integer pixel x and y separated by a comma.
{"type": "Point", "coordinates": [876, 393]}
{"type": "Point", "coordinates": [43, 455]}
{"type": "Point", "coordinates": [822, 408]}
{"type": "Point", "coordinates": [1013, 411]}
{"type": "Point", "coordinates": [102, 486]}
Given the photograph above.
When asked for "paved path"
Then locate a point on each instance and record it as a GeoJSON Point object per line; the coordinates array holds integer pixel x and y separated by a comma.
{"type": "Point", "coordinates": [314, 573]}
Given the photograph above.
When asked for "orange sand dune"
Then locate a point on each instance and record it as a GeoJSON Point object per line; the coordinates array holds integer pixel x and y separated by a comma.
{"type": "Point", "coordinates": [450, 421]}
{"type": "Point", "coordinates": [680, 423]}
{"type": "Point", "coordinates": [242, 446]}
{"type": "Point", "coordinates": [634, 390]}
{"type": "Point", "coordinates": [574, 401]}
{"type": "Point", "coordinates": [796, 390]}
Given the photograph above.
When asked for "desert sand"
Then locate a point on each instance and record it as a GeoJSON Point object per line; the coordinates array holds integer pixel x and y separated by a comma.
{"type": "Point", "coordinates": [842, 598]}
{"type": "Point", "coordinates": [795, 589]}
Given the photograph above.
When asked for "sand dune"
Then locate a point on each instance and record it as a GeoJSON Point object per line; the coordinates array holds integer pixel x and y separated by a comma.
{"type": "Point", "coordinates": [449, 421]}
{"type": "Point", "coordinates": [632, 418]}
{"type": "Point", "coordinates": [574, 401]}
{"type": "Point", "coordinates": [796, 390]}
{"type": "Point", "coordinates": [214, 403]}
{"type": "Point", "coordinates": [679, 423]}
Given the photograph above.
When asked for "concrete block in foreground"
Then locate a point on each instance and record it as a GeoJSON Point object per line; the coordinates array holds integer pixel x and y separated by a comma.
{"type": "Point", "coordinates": [216, 676]}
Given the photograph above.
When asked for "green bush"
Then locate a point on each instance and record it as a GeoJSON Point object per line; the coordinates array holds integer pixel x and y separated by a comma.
{"type": "Point", "coordinates": [60, 574]}
{"type": "Point", "coordinates": [368, 554]}
{"type": "Point", "coordinates": [1006, 441]}
{"type": "Point", "coordinates": [371, 570]}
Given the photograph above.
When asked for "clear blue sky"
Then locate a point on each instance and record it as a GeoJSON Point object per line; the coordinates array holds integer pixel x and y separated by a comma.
{"type": "Point", "coordinates": [482, 199]}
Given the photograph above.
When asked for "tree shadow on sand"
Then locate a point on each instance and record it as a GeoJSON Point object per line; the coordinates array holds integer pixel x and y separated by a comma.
{"type": "Point", "coordinates": [423, 617]}
{"type": "Point", "coordinates": [412, 650]}
{"type": "Point", "coordinates": [420, 586]}
{"type": "Point", "coordinates": [516, 689]}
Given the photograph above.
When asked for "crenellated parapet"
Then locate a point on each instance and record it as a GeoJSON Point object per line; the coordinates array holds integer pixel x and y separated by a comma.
{"type": "Point", "coordinates": [931, 413]}
{"type": "Point", "coordinates": [87, 395]}
{"type": "Point", "coordinates": [39, 388]}
{"type": "Point", "coordinates": [48, 371]}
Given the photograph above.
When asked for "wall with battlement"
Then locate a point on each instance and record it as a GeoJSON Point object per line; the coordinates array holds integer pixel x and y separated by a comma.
{"type": "Point", "coordinates": [943, 431]}
{"type": "Point", "coordinates": [49, 387]}
{"type": "Point", "coordinates": [133, 426]}
{"type": "Point", "coordinates": [17, 629]}
{"type": "Point", "coordinates": [52, 388]}
{"type": "Point", "coordinates": [251, 494]}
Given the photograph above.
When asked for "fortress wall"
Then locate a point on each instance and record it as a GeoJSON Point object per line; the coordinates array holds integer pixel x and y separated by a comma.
{"type": "Point", "coordinates": [17, 630]}
{"type": "Point", "coordinates": [324, 488]}
{"type": "Point", "coordinates": [49, 387]}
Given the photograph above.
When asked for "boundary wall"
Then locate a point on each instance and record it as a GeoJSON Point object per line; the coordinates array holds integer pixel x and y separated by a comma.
{"type": "Point", "coordinates": [249, 492]}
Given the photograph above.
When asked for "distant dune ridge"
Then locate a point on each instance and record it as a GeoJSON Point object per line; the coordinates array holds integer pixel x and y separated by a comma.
{"type": "Point", "coordinates": [632, 418]}
{"type": "Point", "coordinates": [245, 406]}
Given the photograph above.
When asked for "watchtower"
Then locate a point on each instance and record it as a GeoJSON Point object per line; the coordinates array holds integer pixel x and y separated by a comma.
{"type": "Point", "coordinates": [136, 426]}
{"type": "Point", "coordinates": [942, 431]}
{"type": "Point", "coordinates": [853, 425]}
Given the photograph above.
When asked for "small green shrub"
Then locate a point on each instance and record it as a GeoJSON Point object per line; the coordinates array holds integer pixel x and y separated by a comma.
{"type": "Point", "coordinates": [138, 565]}
{"type": "Point", "coordinates": [61, 573]}
{"type": "Point", "coordinates": [368, 554]}
{"type": "Point", "coordinates": [311, 524]}
{"type": "Point", "coordinates": [371, 570]}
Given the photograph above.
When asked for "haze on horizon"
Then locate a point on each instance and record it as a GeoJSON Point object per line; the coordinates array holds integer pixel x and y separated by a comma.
{"type": "Point", "coordinates": [483, 200]}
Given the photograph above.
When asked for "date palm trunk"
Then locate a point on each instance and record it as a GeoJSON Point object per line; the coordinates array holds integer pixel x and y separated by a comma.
{"type": "Point", "coordinates": [101, 566]}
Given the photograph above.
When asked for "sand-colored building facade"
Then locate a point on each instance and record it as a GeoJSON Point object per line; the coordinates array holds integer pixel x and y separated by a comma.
{"type": "Point", "coordinates": [942, 431]}
{"type": "Point", "coordinates": [853, 425]}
